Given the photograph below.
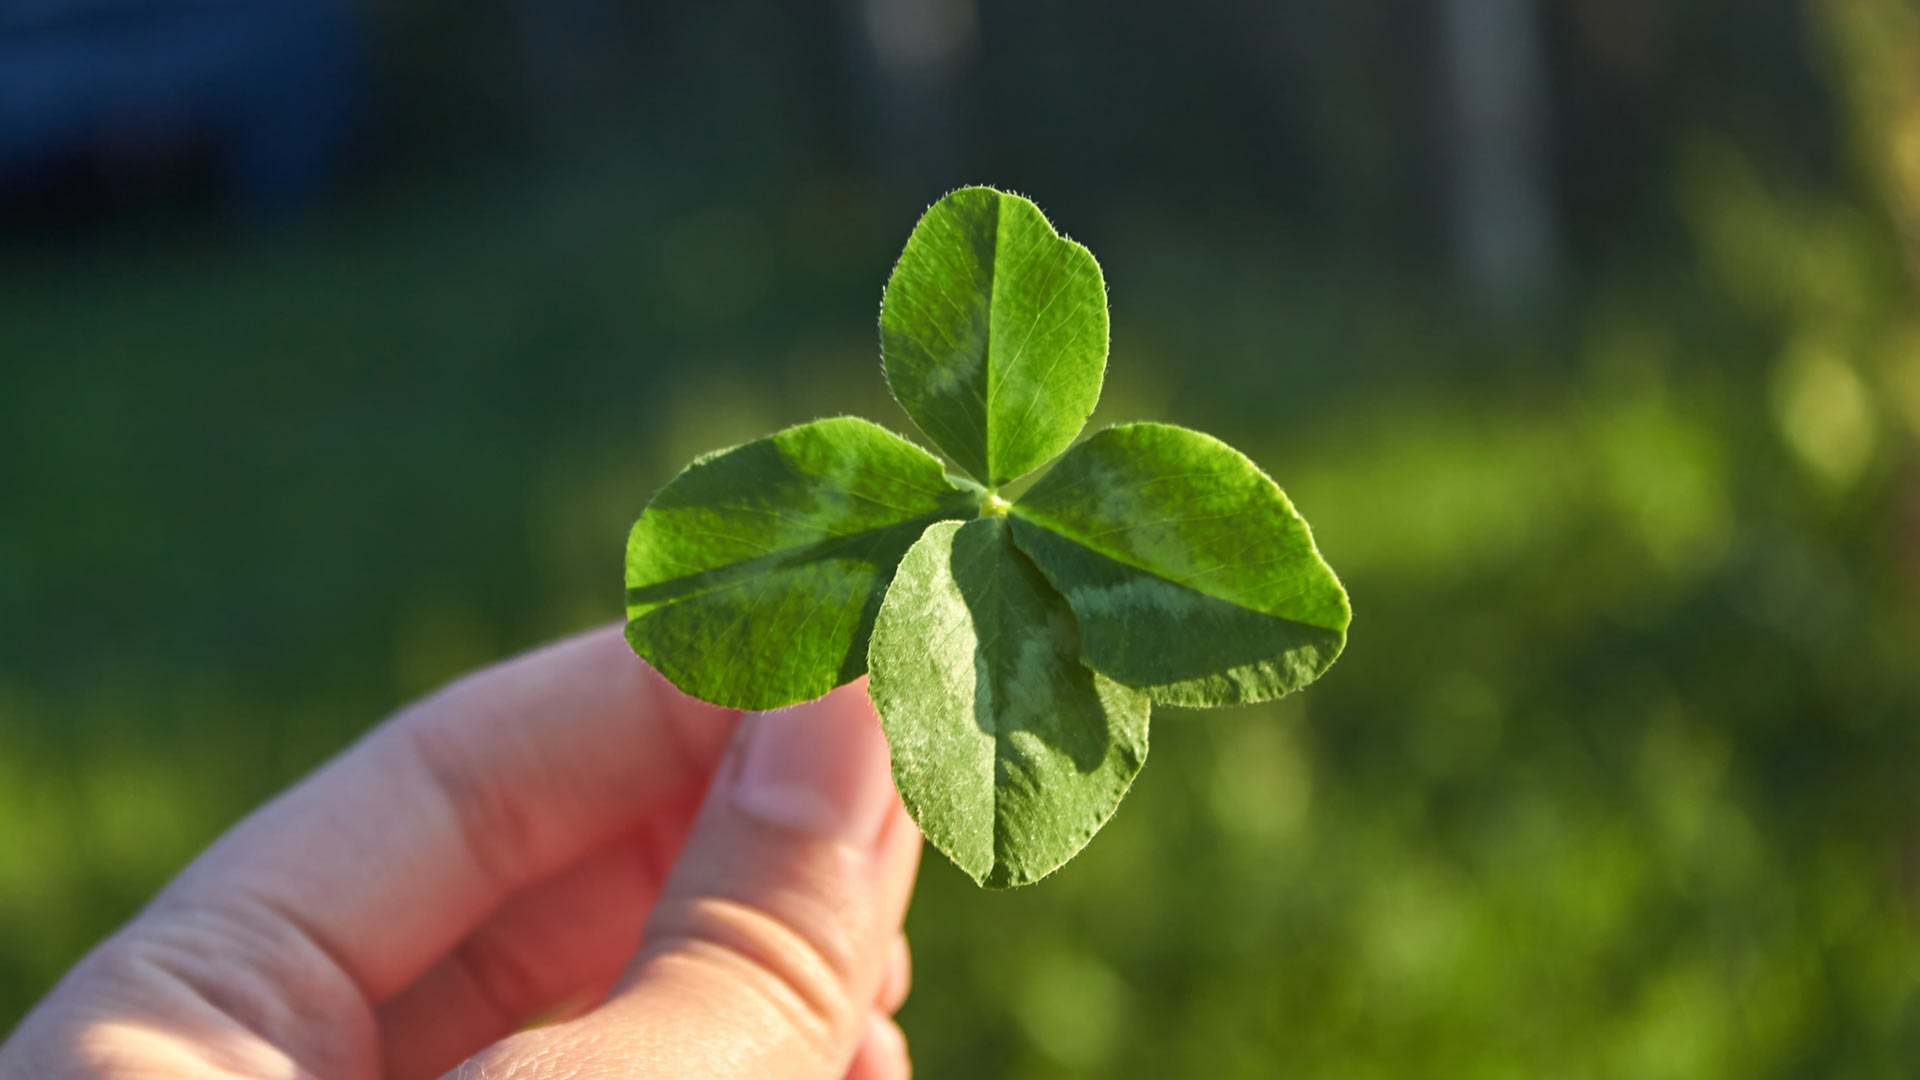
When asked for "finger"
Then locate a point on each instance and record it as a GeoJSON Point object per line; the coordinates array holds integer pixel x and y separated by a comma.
{"type": "Point", "coordinates": [767, 949]}
{"type": "Point", "coordinates": [898, 978]}
{"type": "Point", "coordinates": [399, 848]}
{"type": "Point", "coordinates": [552, 950]}
{"type": "Point", "coordinates": [883, 1052]}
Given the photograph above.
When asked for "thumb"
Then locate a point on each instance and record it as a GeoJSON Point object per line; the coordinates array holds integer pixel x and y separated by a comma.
{"type": "Point", "coordinates": [765, 953]}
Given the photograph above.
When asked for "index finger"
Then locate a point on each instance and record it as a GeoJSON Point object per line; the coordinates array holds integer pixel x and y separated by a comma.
{"type": "Point", "coordinates": [394, 851]}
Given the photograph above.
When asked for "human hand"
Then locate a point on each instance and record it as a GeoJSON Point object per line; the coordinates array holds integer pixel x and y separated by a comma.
{"type": "Point", "coordinates": [537, 841]}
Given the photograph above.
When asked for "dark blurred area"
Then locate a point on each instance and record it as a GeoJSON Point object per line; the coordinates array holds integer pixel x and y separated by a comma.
{"type": "Point", "coordinates": [340, 345]}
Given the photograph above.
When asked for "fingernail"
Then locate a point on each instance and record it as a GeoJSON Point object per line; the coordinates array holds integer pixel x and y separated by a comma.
{"type": "Point", "coordinates": [820, 769]}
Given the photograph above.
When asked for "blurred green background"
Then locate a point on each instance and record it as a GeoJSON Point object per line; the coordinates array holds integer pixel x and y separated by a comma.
{"type": "Point", "coordinates": [1585, 333]}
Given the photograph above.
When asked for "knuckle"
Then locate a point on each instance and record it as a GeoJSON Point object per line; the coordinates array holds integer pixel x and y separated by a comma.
{"type": "Point", "coordinates": [495, 823]}
{"type": "Point", "coordinates": [562, 1052]}
{"type": "Point", "coordinates": [245, 1000]}
{"type": "Point", "coordinates": [805, 975]}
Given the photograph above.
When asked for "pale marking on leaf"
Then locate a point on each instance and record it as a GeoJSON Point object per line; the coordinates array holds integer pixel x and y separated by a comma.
{"type": "Point", "coordinates": [1116, 530]}
{"type": "Point", "coordinates": [1029, 516]}
{"type": "Point", "coordinates": [1053, 490]}
{"type": "Point", "coordinates": [818, 558]}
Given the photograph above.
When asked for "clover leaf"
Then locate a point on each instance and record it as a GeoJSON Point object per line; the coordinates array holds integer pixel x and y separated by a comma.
{"type": "Point", "coordinates": [994, 333]}
{"type": "Point", "coordinates": [753, 577]}
{"type": "Point", "coordinates": [1006, 749]}
{"type": "Point", "coordinates": [1015, 649]}
{"type": "Point", "coordinates": [1191, 574]}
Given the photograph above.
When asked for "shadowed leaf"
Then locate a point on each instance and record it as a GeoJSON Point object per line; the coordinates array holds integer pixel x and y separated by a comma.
{"type": "Point", "coordinates": [1008, 751]}
{"type": "Point", "coordinates": [1190, 573]}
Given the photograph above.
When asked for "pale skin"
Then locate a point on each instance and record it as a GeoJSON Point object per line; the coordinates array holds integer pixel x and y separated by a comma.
{"type": "Point", "coordinates": [558, 867]}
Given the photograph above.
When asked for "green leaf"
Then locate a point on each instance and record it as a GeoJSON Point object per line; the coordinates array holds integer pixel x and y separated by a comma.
{"type": "Point", "coordinates": [1190, 573]}
{"type": "Point", "coordinates": [993, 333]}
{"type": "Point", "coordinates": [1007, 750]}
{"type": "Point", "coordinates": [754, 576]}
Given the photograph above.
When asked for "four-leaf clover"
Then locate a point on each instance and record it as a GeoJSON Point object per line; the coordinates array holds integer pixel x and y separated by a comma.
{"type": "Point", "coordinates": [1015, 649]}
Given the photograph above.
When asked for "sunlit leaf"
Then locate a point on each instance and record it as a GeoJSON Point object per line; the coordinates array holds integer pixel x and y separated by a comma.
{"type": "Point", "coordinates": [994, 333]}
{"type": "Point", "coordinates": [753, 577]}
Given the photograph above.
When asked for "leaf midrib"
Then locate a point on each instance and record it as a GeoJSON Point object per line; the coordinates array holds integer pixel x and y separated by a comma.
{"type": "Point", "coordinates": [1028, 515]}
{"type": "Point", "coordinates": [998, 602]}
{"type": "Point", "coordinates": [986, 352]}
{"type": "Point", "coordinates": [662, 594]}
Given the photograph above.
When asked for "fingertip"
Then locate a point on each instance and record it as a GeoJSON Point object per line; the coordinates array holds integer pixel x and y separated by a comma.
{"type": "Point", "coordinates": [782, 916]}
{"type": "Point", "coordinates": [898, 855]}
{"type": "Point", "coordinates": [883, 1052]}
{"type": "Point", "coordinates": [897, 982]}
{"type": "Point", "coordinates": [819, 769]}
